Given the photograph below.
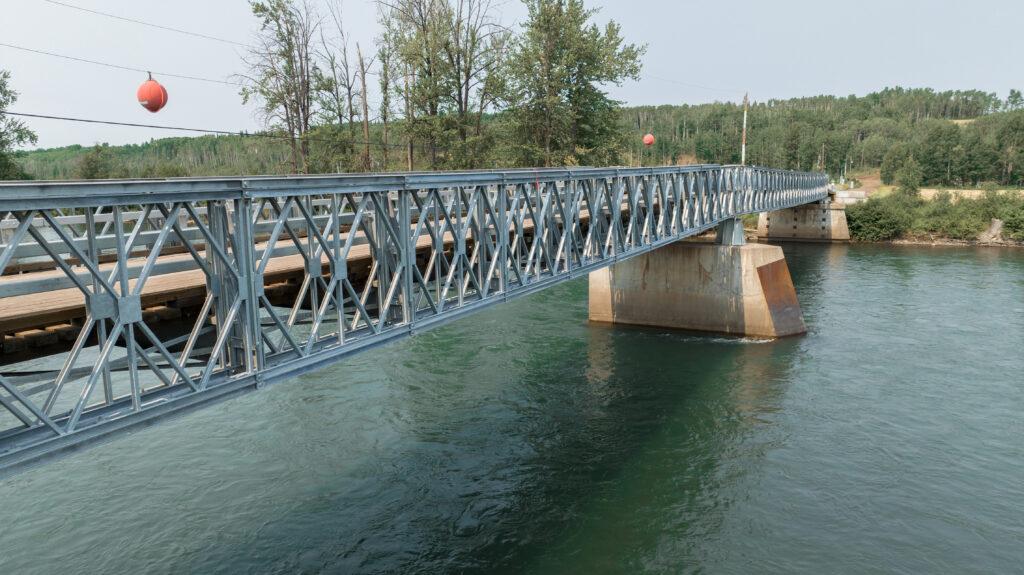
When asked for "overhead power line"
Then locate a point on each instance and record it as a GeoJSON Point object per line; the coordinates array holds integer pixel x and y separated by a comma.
{"type": "Point", "coordinates": [117, 66]}
{"type": "Point", "coordinates": [228, 133]}
{"type": "Point", "coordinates": [150, 24]}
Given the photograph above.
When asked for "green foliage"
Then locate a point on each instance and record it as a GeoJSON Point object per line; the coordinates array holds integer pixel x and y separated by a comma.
{"type": "Point", "coordinates": [282, 70]}
{"type": "Point", "coordinates": [169, 157]}
{"type": "Point", "coordinates": [893, 216]}
{"type": "Point", "coordinates": [1014, 101]}
{"type": "Point", "coordinates": [558, 112]}
{"type": "Point", "coordinates": [908, 178]}
{"type": "Point", "coordinates": [13, 133]}
{"type": "Point", "coordinates": [550, 83]}
{"type": "Point", "coordinates": [957, 138]}
{"type": "Point", "coordinates": [893, 161]}
{"type": "Point", "coordinates": [1012, 214]}
{"type": "Point", "coordinates": [881, 219]}
{"type": "Point", "coordinates": [94, 165]}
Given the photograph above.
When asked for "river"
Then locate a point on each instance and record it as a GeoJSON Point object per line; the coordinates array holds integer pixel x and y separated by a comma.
{"type": "Point", "coordinates": [889, 439]}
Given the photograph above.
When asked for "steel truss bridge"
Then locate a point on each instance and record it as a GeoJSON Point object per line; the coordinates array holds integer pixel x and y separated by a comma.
{"type": "Point", "coordinates": [261, 279]}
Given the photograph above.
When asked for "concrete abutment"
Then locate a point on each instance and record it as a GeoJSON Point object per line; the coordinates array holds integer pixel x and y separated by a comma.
{"type": "Point", "coordinates": [817, 222]}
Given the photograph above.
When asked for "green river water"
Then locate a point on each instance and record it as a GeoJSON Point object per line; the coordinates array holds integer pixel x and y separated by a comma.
{"type": "Point", "coordinates": [890, 439]}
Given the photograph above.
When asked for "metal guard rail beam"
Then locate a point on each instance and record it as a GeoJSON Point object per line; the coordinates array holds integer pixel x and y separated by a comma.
{"type": "Point", "coordinates": [442, 245]}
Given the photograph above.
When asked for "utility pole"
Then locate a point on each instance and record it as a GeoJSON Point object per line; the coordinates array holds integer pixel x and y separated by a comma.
{"type": "Point", "coordinates": [743, 149]}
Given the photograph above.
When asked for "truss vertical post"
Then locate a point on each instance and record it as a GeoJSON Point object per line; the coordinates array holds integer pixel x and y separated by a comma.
{"type": "Point", "coordinates": [101, 325]}
{"type": "Point", "coordinates": [250, 285]}
{"type": "Point", "coordinates": [501, 208]}
{"type": "Point", "coordinates": [223, 284]}
{"type": "Point", "coordinates": [407, 255]}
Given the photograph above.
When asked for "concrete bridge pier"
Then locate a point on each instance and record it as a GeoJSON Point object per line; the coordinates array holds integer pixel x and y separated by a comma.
{"type": "Point", "coordinates": [726, 287]}
{"type": "Point", "coordinates": [823, 221]}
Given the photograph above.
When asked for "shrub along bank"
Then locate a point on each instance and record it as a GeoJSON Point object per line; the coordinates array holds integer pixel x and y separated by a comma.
{"type": "Point", "coordinates": [905, 213]}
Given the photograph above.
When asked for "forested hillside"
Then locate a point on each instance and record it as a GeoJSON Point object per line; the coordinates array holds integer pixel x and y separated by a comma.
{"type": "Point", "coordinates": [960, 138]}
{"type": "Point", "coordinates": [169, 157]}
{"type": "Point", "coordinates": [957, 138]}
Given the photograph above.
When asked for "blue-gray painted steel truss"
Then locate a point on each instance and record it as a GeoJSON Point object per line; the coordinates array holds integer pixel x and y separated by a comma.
{"type": "Point", "coordinates": [441, 246]}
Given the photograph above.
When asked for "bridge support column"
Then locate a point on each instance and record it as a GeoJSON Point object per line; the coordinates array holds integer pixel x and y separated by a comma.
{"type": "Point", "coordinates": [817, 222]}
{"type": "Point", "coordinates": [743, 290]}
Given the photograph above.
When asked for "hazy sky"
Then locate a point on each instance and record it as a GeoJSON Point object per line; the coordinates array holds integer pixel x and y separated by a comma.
{"type": "Point", "coordinates": [697, 52]}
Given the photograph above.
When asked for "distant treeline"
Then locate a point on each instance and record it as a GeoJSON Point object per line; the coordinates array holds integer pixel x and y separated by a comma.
{"type": "Point", "coordinates": [959, 138]}
{"type": "Point", "coordinates": [164, 158]}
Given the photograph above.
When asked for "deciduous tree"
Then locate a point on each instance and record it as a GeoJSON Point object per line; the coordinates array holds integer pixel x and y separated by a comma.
{"type": "Point", "coordinates": [282, 70]}
{"type": "Point", "coordinates": [13, 133]}
{"type": "Point", "coordinates": [558, 68]}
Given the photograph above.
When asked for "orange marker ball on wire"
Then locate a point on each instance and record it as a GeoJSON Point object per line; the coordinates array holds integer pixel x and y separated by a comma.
{"type": "Point", "coordinates": [152, 95]}
{"type": "Point", "coordinates": [649, 140]}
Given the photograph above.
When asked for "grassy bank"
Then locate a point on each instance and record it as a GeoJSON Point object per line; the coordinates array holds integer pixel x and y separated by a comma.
{"type": "Point", "coordinates": [902, 214]}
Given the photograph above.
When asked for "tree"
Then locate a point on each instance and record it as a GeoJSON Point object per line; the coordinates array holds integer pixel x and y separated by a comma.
{"type": "Point", "coordinates": [13, 133]}
{"type": "Point", "coordinates": [475, 56]}
{"type": "Point", "coordinates": [420, 34]}
{"type": "Point", "coordinates": [893, 161]}
{"type": "Point", "coordinates": [94, 164]}
{"type": "Point", "coordinates": [336, 91]}
{"type": "Point", "coordinates": [936, 149]}
{"type": "Point", "coordinates": [1011, 144]}
{"type": "Point", "coordinates": [450, 53]}
{"type": "Point", "coordinates": [385, 54]}
{"type": "Point", "coordinates": [557, 67]}
{"type": "Point", "coordinates": [908, 178]}
{"type": "Point", "coordinates": [364, 66]}
{"type": "Point", "coordinates": [792, 146]}
{"type": "Point", "coordinates": [1014, 101]}
{"type": "Point", "coordinates": [282, 70]}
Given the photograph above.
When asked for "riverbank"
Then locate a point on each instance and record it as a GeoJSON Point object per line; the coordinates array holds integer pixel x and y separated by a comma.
{"type": "Point", "coordinates": [991, 219]}
{"type": "Point", "coordinates": [947, 242]}
{"type": "Point", "coordinates": [907, 241]}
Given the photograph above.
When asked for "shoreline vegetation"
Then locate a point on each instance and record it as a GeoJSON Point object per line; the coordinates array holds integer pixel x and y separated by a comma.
{"type": "Point", "coordinates": [991, 217]}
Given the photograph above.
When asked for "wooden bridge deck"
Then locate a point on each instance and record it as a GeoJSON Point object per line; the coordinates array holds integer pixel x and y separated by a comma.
{"type": "Point", "coordinates": [39, 311]}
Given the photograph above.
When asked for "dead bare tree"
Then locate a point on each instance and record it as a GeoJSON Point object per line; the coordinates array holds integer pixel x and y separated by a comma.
{"type": "Point", "coordinates": [337, 85]}
{"type": "Point", "coordinates": [410, 119]}
{"type": "Point", "coordinates": [385, 54]}
{"type": "Point", "coordinates": [475, 49]}
{"type": "Point", "coordinates": [364, 66]}
{"type": "Point", "coordinates": [452, 51]}
{"type": "Point", "coordinates": [420, 33]}
{"type": "Point", "coordinates": [282, 70]}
